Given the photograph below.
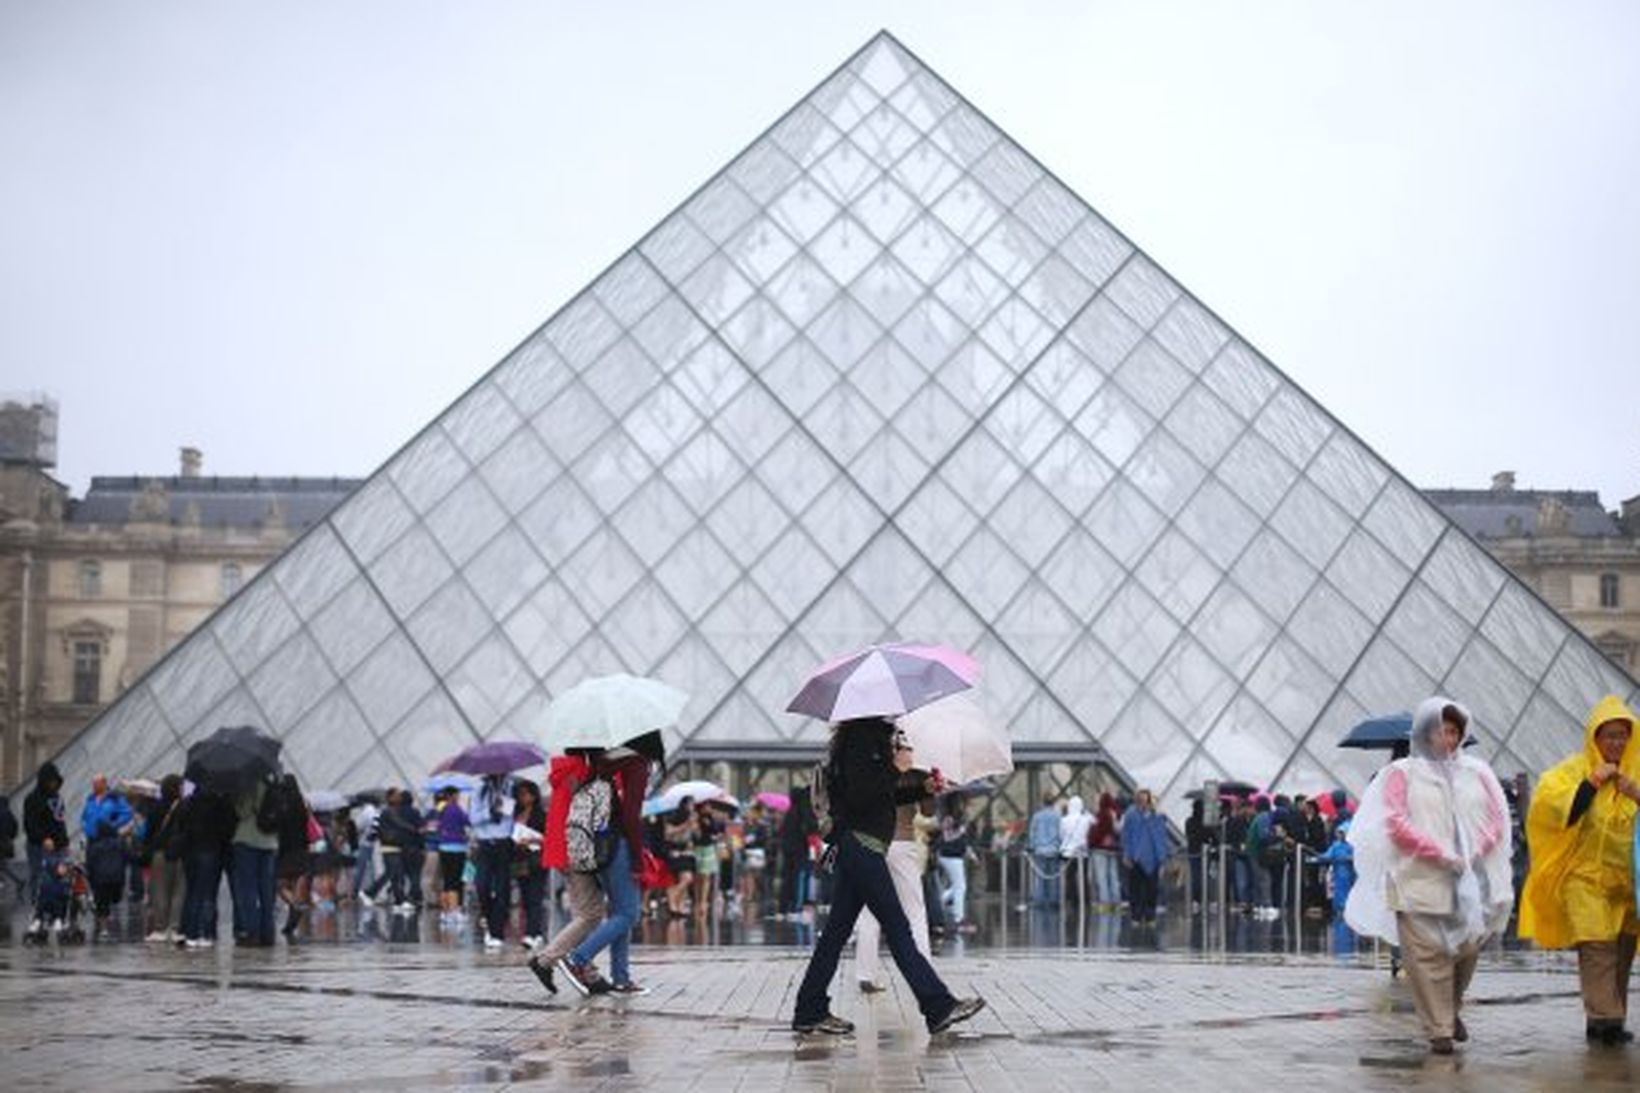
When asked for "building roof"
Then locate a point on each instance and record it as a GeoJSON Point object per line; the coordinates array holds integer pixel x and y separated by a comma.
{"type": "Point", "coordinates": [219, 501]}
{"type": "Point", "coordinates": [1515, 514]}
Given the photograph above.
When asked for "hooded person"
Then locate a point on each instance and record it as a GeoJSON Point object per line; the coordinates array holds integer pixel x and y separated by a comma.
{"type": "Point", "coordinates": [1580, 892]}
{"type": "Point", "coordinates": [1432, 849]}
{"type": "Point", "coordinates": [1073, 829]}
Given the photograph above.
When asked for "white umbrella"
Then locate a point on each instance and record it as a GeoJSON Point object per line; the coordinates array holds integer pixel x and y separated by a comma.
{"type": "Point", "coordinates": [957, 738]}
{"type": "Point", "coordinates": [609, 711]}
{"type": "Point", "coordinates": [326, 800]}
{"type": "Point", "coordinates": [698, 791]}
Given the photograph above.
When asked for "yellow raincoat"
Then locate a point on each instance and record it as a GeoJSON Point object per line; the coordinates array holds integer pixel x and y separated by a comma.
{"type": "Point", "coordinates": [1581, 887]}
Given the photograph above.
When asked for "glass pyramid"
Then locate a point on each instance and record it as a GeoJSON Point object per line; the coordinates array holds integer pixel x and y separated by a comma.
{"type": "Point", "coordinates": [883, 376]}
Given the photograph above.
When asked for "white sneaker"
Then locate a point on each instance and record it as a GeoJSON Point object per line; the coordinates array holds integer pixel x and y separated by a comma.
{"type": "Point", "coordinates": [157, 935]}
{"type": "Point", "coordinates": [366, 900]}
{"type": "Point", "coordinates": [533, 942]}
{"type": "Point", "coordinates": [492, 943]}
{"type": "Point", "coordinates": [34, 925]}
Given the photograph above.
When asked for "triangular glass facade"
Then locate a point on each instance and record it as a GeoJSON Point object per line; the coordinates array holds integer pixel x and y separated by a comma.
{"type": "Point", "coordinates": [883, 376]}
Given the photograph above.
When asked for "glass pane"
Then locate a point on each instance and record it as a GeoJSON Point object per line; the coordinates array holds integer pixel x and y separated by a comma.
{"type": "Point", "coordinates": [1203, 424]}
{"type": "Point", "coordinates": [1294, 425]}
{"type": "Point", "coordinates": [559, 520]}
{"type": "Point", "coordinates": [799, 375]}
{"type": "Point", "coordinates": [449, 625]}
{"type": "Point", "coordinates": [1273, 575]}
{"type": "Point", "coordinates": [1136, 627]}
{"type": "Point", "coordinates": [611, 469]}
{"type": "Point", "coordinates": [1081, 574]}
{"type": "Point", "coordinates": [290, 682]}
{"type": "Point", "coordinates": [489, 683]}
{"type": "Point", "coordinates": [1427, 629]}
{"type": "Point", "coordinates": [1233, 630]}
{"type": "Point", "coordinates": [140, 729]}
{"type": "Point", "coordinates": [930, 333]}
{"type": "Point", "coordinates": [803, 210]}
{"type": "Point", "coordinates": [1405, 522]}
{"type": "Point", "coordinates": [937, 520]}
{"type": "Point", "coordinates": [601, 572]}
{"type": "Point", "coordinates": [645, 627]}
{"type": "Point", "coordinates": [1037, 626]}
{"type": "Point", "coordinates": [1330, 629]}
{"type": "Point", "coordinates": [389, 682]}
{"type": "Point", "coordinates": [703, 471]}
{"type": "Point", "coordinates": [409, 572]}
{"type": "Point", "coordinates": [1142, 291]}
{"type": "Point", "coordinates": [791, 574]}
{"type": "Point", "coordinates": [466, 519]}
{"type": "Point", "coordinates": [752, 423]}
{"type": "Point", "coordinates": [967, 210]}
{"type": "Point", "coordinates": [1148, 743]}
{"type": "Point", "coordinates": [796, 470]}
{"type": "Point", "coordinates": [1191, 334]}
{"type": "Point", "coordinates": [940, 614]}
{"type": "Point", "coordinates": [676, 247]}
{"type": "Point", "coordinates": [804, 134]}
{"type": "Point", "coordinates": [546, 627]}
{"type": "Point", "coordinates": [328, 741]}
{"type": "Point", "coordinates": [1104, 334]}
{"type": "Point", "coordinates": [1113, 423]}
{"type": "Point", "coordinates": [986, 573]}
{"type": "Point", "coordinates": [1009, 686]}
{"type": "Point", "coordinates": [1463, 576]}
{"type": "Point", "coordinates": [1164, 471]}
{"type": "Point", "coordinates": [1368, 574]}
{"type": "Point", "coordinates": [518, 470]}
{"type": "Point", "coordinates": [742, 625]}
{"type": "Point", "coordinates": [980, 472]}
{"type": "Point", "coordinates": [1011, 249]}
{"type": "Point", "coordinates": [886, 290]}
{"type": "Point", "coordinates": [1092, 247]}
{"type": "Point", "coordinates": [693, 667]}
{"type": "Point", "coordinates": [763, 170]}
{"type": "Point", "coordinates": [1545, 735]}
{"type": "Point", "coordinates": [747, 520]}
{"type": "Point", "coordinates": [351, 626]}
{"type": "Point", "coordinates": [653, 519]}
{"type": "Point", "coordinates": [371, 518]}
{"type": "Point", "coordinates": [1073, 472]}
{"type": "Point", "coordinates": [885, 209]}
{"type": "Point", "coordinates": [480, 421]}
{"type": "Point", "coordinates": [670, 333]}
{"type": "Point", "coordinates": [1177, 574]}
{"type": "Point", "coordinates": [716, 289]}
{"type": "Point", "coordinates": [720, 208]}
{"type": "Point", "coordinates": [1349, 473]}
{"type": "Point", "coordinates": [1006, 171]}
{"type": "Point", "coordinates": [890, 376]}
{"type": "Point", "coordinates": [1217, 522]}
{"type": "Point", "coordinates": [313, 570]}
{"type": "Point", "coordinates": [661, 423]}
{"type": "Point", "coordinates": [974, 376]}
{"type": "Point", "coordinates": [840, 519]}
{"type": "Point", "coordinates": [1124, 522]}
{"type": "Point", "coordinates": [621, 377]}
{"type": "Point", "coordinates": [1016, 333]}
{"type": "Point", "coordinates": [505, 572]}
{"type": "Point", "coordinates": [1064, 377]}
{"type": "Point", "coordinates": [1525, 631]}
{"type": "Point", "coordinates": [1094, 687]}
{"type": "Point", "coordinates": [1485, 681]}
{"type": "Point", "coordinates": [801, 290]}
{"type": "Point", "coordinates": [581, 331]}
{"type": "Point", "coordinates": [1241, 378]}
{"type": "Point", "coordinates": [697, 572]}
{"type": "Point", "coordinates": [889, 574]}
{"type": "Point", "coordinates": [532, 374]}
{"type": "Point", "coordinates": [925, 171]}
{"type": "Point", "coordinates": [1023, 424]}
{"type": "Point", "coordinates": [928, 249]}
{"type": "Point", "coordinates": [630, 289]}
{"type": "Point", "coordinates": [844, 171]}
{"type": "Point", "coordinates": [1191, 683]}
{"type": "Point", "coordinates": [842, 421]}
{"type": "Point", "coordinates": [1248, 742]}
{"type": "Point", "coordinates": [1257, 473]}
{"type": "Point", "coordinates": [1291, 686]}
{"type": "Point", "coordinates": [1385, 681]}
{"type": "Point", "coordinates": [253, 624]}
{"type": "Point", "coordinates": [844, 332]}
{"type": "Point", "coordinates": [759, 249]}
{"type": "Point", "coordinates": [1154, 379]}
{"type": "Point", "coordinates": [971, 290]}
{"type": "Point", "coordinates": [1580, 677]}
{"type": "Point", "coordinates": [572, 422]}
{"type": "Point", "coordinates": [1311, 523]}
{"type": "Point", "coordinates": [1031, 521]}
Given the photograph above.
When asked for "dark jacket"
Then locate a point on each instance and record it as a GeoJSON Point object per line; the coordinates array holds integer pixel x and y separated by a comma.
{"type": "Point", "coordinates": [865, 788]}
{"type": "Point", "coordinates": [799, 823]}
{"type": "Point", "coordinates": [43, 816]}
{"type": "Point", "coordinates": [400, 826]}
{"type": "Point", "coordinates": [8, 829]}
{"type": "Point", "coordinates": [205, 823]}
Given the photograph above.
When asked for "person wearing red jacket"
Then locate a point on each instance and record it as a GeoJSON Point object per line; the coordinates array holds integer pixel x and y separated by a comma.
{"type": "Point", "coordinates": [565, 775]}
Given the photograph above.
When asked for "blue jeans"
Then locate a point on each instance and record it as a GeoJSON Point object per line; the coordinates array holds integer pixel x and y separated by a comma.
{"type": "Point", "coordinates": [863, 880]}
{"type": "Point", "coordinates": [615, 932]}
{"type": "Point", "coordinates": [202, 873]}
{"type": "Point", "coordinates": [252, 884]}
{"type": "Point", "coordinates": [364, 869]}
{"type": "Point", "coordinates": [1048, 876]}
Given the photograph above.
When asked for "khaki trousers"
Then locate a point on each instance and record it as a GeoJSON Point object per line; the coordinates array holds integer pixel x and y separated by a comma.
{"type": "Point", "coordinates": [1438, 978]}
{"type": "Point", "coordinates": [586, 911]}
{"type": "Point", "coordinates": [1603, 975]}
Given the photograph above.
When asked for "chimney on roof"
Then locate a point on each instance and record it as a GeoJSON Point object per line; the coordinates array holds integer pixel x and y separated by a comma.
{"type": "Point", "coordinates": [1503, 482]}
{"type": "Point", "coordinates": [192, 460]}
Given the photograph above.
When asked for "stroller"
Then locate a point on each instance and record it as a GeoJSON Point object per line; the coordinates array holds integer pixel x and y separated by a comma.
{"type": "Point", "coordinates": [60, 907]}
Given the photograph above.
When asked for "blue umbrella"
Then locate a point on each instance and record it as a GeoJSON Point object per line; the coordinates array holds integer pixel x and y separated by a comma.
{"type": "Point", "coordinates": [449, 780]}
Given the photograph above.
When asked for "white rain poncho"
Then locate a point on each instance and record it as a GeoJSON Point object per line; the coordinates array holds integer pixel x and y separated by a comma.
{"type": "Point", "coordinates": [1431, 840]}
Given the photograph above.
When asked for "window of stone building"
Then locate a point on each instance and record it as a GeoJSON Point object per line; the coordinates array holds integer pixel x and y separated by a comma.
{"type": "Point", "coordinates": [1608, 590]}
{"type": "Point", "coordinates": [147, 578]}
{"type": "Point", "coordinates": [232, 578]}
{"type": "Point", "coordinates": [87, 672]}
{"type": "Point", "coordinates": [90, 578]}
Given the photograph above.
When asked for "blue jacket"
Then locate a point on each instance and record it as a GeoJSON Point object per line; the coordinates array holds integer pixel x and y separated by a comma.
{"type": "Point", "coordinates": [1144, 839]}
{"type": "Point", "coordinates": [104, 817]}
{"type": "Point", "coordinates": [1044, 832]}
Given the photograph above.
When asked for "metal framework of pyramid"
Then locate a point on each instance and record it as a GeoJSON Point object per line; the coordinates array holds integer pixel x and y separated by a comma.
{"type": "Point", "coordinates": [882, 376]}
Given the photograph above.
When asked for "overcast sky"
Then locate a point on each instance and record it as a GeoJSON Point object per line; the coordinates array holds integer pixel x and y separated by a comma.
{"type": "Point", "coordinates": [290, 233]}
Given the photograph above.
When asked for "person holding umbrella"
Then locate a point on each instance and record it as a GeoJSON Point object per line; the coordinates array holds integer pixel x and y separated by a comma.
{"type": "Point", "coordinates": [1580, 892]}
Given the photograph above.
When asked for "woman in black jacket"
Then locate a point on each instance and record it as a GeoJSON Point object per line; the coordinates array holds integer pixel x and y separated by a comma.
{"type": "Point", "coordinates": [862, 774]}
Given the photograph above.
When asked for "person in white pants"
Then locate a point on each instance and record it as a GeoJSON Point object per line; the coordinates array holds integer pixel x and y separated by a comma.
{"type": "Point", "coordinates": [907, 859]}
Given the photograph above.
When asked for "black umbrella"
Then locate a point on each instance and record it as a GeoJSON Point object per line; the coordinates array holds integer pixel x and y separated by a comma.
{"type": "Point", "coordinates": [232, 760]}
{"type": "Point", "coordinates": [1390, 733]}
{"type": "Point", "coordinates": [1226, 789]}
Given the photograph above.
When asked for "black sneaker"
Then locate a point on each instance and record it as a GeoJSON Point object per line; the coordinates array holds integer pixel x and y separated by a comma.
{"type": "Point", "coordinates": [964, 1009]}
{"type": "Point", "coordinates": [586, 980]}
{"type": "Point", "coordinates": [543, 972]}
{"type": "Point", "coordinates": [1616, 1036]}
{"type": "Point", "coordinates": [830, 1024]}
{"type": "Point", "coordinates": [1460, 1031]}
{"type": "Point", "coordinates": [628, 988]}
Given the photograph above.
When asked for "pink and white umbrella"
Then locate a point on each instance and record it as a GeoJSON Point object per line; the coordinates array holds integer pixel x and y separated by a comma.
{"type": "Point", "coordinates": [884, 681]}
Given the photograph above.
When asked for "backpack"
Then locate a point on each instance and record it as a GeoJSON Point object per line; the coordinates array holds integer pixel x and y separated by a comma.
{"type": "Point", "coordinates": [589, 839]}
{"type": "Point", "coordinates": [271, 812]}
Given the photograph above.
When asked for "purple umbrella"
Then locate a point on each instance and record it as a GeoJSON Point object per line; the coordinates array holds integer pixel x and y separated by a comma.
{"type": "Point", "coordinates": [884, 681]}
{"type": "Point", "coordinates": [494, 757]}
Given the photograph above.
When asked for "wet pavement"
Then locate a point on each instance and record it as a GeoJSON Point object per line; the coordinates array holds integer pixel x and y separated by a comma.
{"type": "Point", "coordinates": [382, 1001]}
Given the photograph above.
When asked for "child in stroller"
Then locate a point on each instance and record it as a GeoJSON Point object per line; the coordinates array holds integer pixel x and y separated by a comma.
{"type": "Point", "coordinates": [61, 901]}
